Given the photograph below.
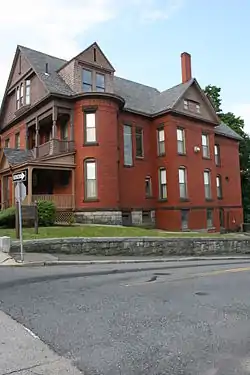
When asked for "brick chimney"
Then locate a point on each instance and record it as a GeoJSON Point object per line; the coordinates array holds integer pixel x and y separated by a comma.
{"type": "Point", "coordinates": [186, 67]}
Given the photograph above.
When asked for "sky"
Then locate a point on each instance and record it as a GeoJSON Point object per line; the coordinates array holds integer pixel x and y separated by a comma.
{"type": "Point", "coordinates": [143, 39]}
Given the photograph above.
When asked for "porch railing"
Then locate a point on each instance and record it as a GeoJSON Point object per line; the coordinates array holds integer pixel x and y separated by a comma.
{"type": "Point", "coordinates": [54, 147]}
{"type": "Point", "coordinates": [60, 200]}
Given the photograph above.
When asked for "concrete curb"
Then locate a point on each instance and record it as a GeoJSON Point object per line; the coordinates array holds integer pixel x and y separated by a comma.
{"type": "Point", "coordinates": [125, 261]}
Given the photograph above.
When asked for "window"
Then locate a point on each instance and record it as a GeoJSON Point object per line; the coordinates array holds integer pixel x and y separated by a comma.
{"type": "Point", "coordinates": [90, 127]}
{"type": "Point", "coordinates": [185, 103]}
{"type": "Point", "coordinates": [17, 140]}
{"type": "Point", "coordinates": [18, 97]}
{"type": "Point", "coordinates": [64, 131]}
{"type": "Point", "coordinates": [218, 187]}
{"type": "Point", "coordinates": [100, 82]}
{"type": "Point", "coordinates": [7, 143]}
{"type": "Point", "coordinates": [209, 218]}
{"type": "Point", "coordinates": [205, 146]}
{"type": "Point", "coordinates": [162, 183]}
{"type": "Point", "coordinates": [198, 108]}
{"type": "Point", "coordinates": [161, 141]}
{"type": "Point", "coordinates": [184, 219]}
{"type": "Point", "coordinates": [139, 142]}
{"type": "Point", "coordinates": [21, 95]}
{"type": "Point", "coordinates": [183, 182]}
{"type": "Point", "coordinates": [181, 148]}
{"type": "Point", "coordinates": [192, 106]}
{"type": "Point", "coordinates": [207, 184]}
{"type": "Point", "coordinates": [127, 139]}
{"type": "Point", "coordinates": [27, 92]}
{"type": "Point", "coordinates": [87, 80]}
{"type": "Point", "coordinates": [217, 154]}
{"type": "Point", "coordinates": [148, 187]}
{"type": "Point", "coordinates": [90, 179]}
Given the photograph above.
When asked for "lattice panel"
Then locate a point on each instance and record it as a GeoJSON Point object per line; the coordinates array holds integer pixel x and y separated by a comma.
{"type": "Point", "coordinates": [64, 217]}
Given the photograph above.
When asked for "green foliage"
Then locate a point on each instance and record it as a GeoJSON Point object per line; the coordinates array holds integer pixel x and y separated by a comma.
{"type": "Point", "coordinates": [214, 94]}
{"type": "Point", "coordinates": [237, 124]}
{"type": "Point", "coordinates": [46, 213]}
{"type": "Point", "coordinates": [7, 217]}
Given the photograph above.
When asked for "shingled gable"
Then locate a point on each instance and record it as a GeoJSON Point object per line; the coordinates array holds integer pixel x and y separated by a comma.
{"type": "Point", "coordinates": [87, 56]}
{"type": "Point", "coordinates": [138, 98]}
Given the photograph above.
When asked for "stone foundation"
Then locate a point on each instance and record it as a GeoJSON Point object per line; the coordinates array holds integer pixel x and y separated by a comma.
{"type": "Point", "coordinates": [99, 217]}
{"type": "Point", "coordinates": [148, 246]}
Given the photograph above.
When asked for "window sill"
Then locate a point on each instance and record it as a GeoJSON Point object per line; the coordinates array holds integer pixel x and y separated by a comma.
{"type": "Point", "coordinates": [184, 199]}
{"type": "Point", "coordinates": [128, 166]}
{"type": "Point", "coordinates": [87, 144]}
{"type": "Point", "coordinates": [209, 200]}
{"type": "Point", "coordinates": [220, 198]}
{"type": "Point", "coordinates": [161, 155]}
{"type": "Point", "coordinates": [91, 200]}
{"type": "Point", "coordinates": [161, 200]}
{"type": "Point", "coordinates": [182, 154]}
{"type": "Point", "coordinates": [218, 165]}
{"type": "Point", "coordinates": [139, 157]}
{"type": "Point", "coordinates": [206, 158]}
{"type": "Point", "coordinates": [149, 197]}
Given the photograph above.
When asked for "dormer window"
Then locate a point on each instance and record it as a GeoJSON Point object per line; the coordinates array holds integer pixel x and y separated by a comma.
{"type": "Point", "coordinates": [18, 97]}
{"type": "Point", "coordinates": [192, 106]}
{"type": "Point", "coordinates": [100, 82]}
{"type": "Point", "coordinates": [87, 81]}
{"type": "Point", "coordinates": [21, 95]}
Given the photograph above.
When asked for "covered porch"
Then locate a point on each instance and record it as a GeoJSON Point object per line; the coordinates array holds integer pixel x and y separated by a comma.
{"type": "Point", "coordinates": [52, 180]}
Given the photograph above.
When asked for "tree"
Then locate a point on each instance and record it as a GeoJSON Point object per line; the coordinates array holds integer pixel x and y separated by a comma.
{"type": "Point", "coordinates": [236, 124]}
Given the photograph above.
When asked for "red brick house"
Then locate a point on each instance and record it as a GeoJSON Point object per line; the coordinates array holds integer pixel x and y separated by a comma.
{"type": "Point", "coordinates": [116, 151]}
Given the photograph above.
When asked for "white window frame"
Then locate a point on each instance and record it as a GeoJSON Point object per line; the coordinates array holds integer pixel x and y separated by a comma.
{"type": "Point", "coordinates": [17, 97]}
{"type": "Point", "coordinates": [185, 104]}
{"type": "Point", "coordinates": [90, 179]}
{"type": "Point", "coordinates": [27, 91]}
{"type": "Point", "coordinates": [90, 127]}
{"type": "Point", "coordinates": [181, 143]}
{"type": "Point", "coordinates": [217, 155]}
{"type": "Point", "coordinates": [219, 187]}
{"type": "Point", "coordinates": [205, 146]}
{"type": "Point", "coordinates": [182, 173]}
{"type": "Point", "coordinates": [148, 180]}
{"type": "Point", "coordinates": [207, 184]}
{"type": "Point", "coordinates": [163, 192]}
{"type": "Point", "coordinates": [127, 145]}
{"type": "Point", "coordinates": [161, 148]}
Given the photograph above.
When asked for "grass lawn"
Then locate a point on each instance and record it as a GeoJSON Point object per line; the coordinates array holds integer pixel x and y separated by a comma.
{"type": "Point", "coordinates": [97, 231]}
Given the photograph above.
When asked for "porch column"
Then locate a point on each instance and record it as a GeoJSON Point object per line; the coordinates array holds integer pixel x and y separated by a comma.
{"type": "Point", "coordinates": [73, 189]}
{"type": "Point", "coordinates": [2, 192]}
{"type": "Point", "coordinates": [71, 125]}
{"type": "Point", "coordinates": [37, 137]}
{"type": "Point", "coordinates": [26, 137]}
{"type": "Point", "coordinates": [54, 120]}
{"type": "Point", "coordinates": [29, 198]}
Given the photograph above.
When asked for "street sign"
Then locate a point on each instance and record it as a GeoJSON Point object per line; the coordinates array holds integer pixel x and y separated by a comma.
{"type": "Point", "coordinates": [19, 177]}
{"type": "Point", "coordinates": [23, 191]}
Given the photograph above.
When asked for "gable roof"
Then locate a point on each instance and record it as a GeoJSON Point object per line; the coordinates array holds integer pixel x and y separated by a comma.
{"type": "Point", "coordinates": [17, 156]}
{"type": "Point", "coordinates": [138, 97]}
{"type": "Point", "coordinates": [225, 130]}
{"type": "Point", "coordinates": [52, 81]}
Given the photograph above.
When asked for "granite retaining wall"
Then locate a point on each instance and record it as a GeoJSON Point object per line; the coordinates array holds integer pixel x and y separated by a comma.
{"type": "Point", "coordinates": [148, 246]}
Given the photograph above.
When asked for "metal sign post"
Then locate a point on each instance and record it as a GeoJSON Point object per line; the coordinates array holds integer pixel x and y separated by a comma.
{"type": "Point", "coordinates": [20, 220]}
{"type": "Point", "coordinates": [19, 178]}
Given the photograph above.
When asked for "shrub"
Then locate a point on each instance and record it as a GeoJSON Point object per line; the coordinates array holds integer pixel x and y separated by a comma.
{"type": "Point", "coordinates": [46, 213]}
{"type": "Point", "coordinates": [8, 217]}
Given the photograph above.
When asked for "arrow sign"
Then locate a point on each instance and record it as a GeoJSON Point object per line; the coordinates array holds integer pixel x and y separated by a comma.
{"type": "Point", "coordinates": [19, 177]}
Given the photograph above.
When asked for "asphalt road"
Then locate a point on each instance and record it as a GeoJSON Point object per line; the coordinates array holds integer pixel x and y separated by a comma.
{"type": "Point", "coordinates": [178, 321]}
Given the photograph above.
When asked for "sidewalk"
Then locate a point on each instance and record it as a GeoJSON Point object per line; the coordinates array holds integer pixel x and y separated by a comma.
{"type": "Point", "coordinates": [23, 353]}
{"type": "Point", "coordinates": [82, 259]}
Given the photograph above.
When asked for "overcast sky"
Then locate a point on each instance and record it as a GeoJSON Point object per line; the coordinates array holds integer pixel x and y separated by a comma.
{"type": "Point", "coordinates": [143, 39]}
